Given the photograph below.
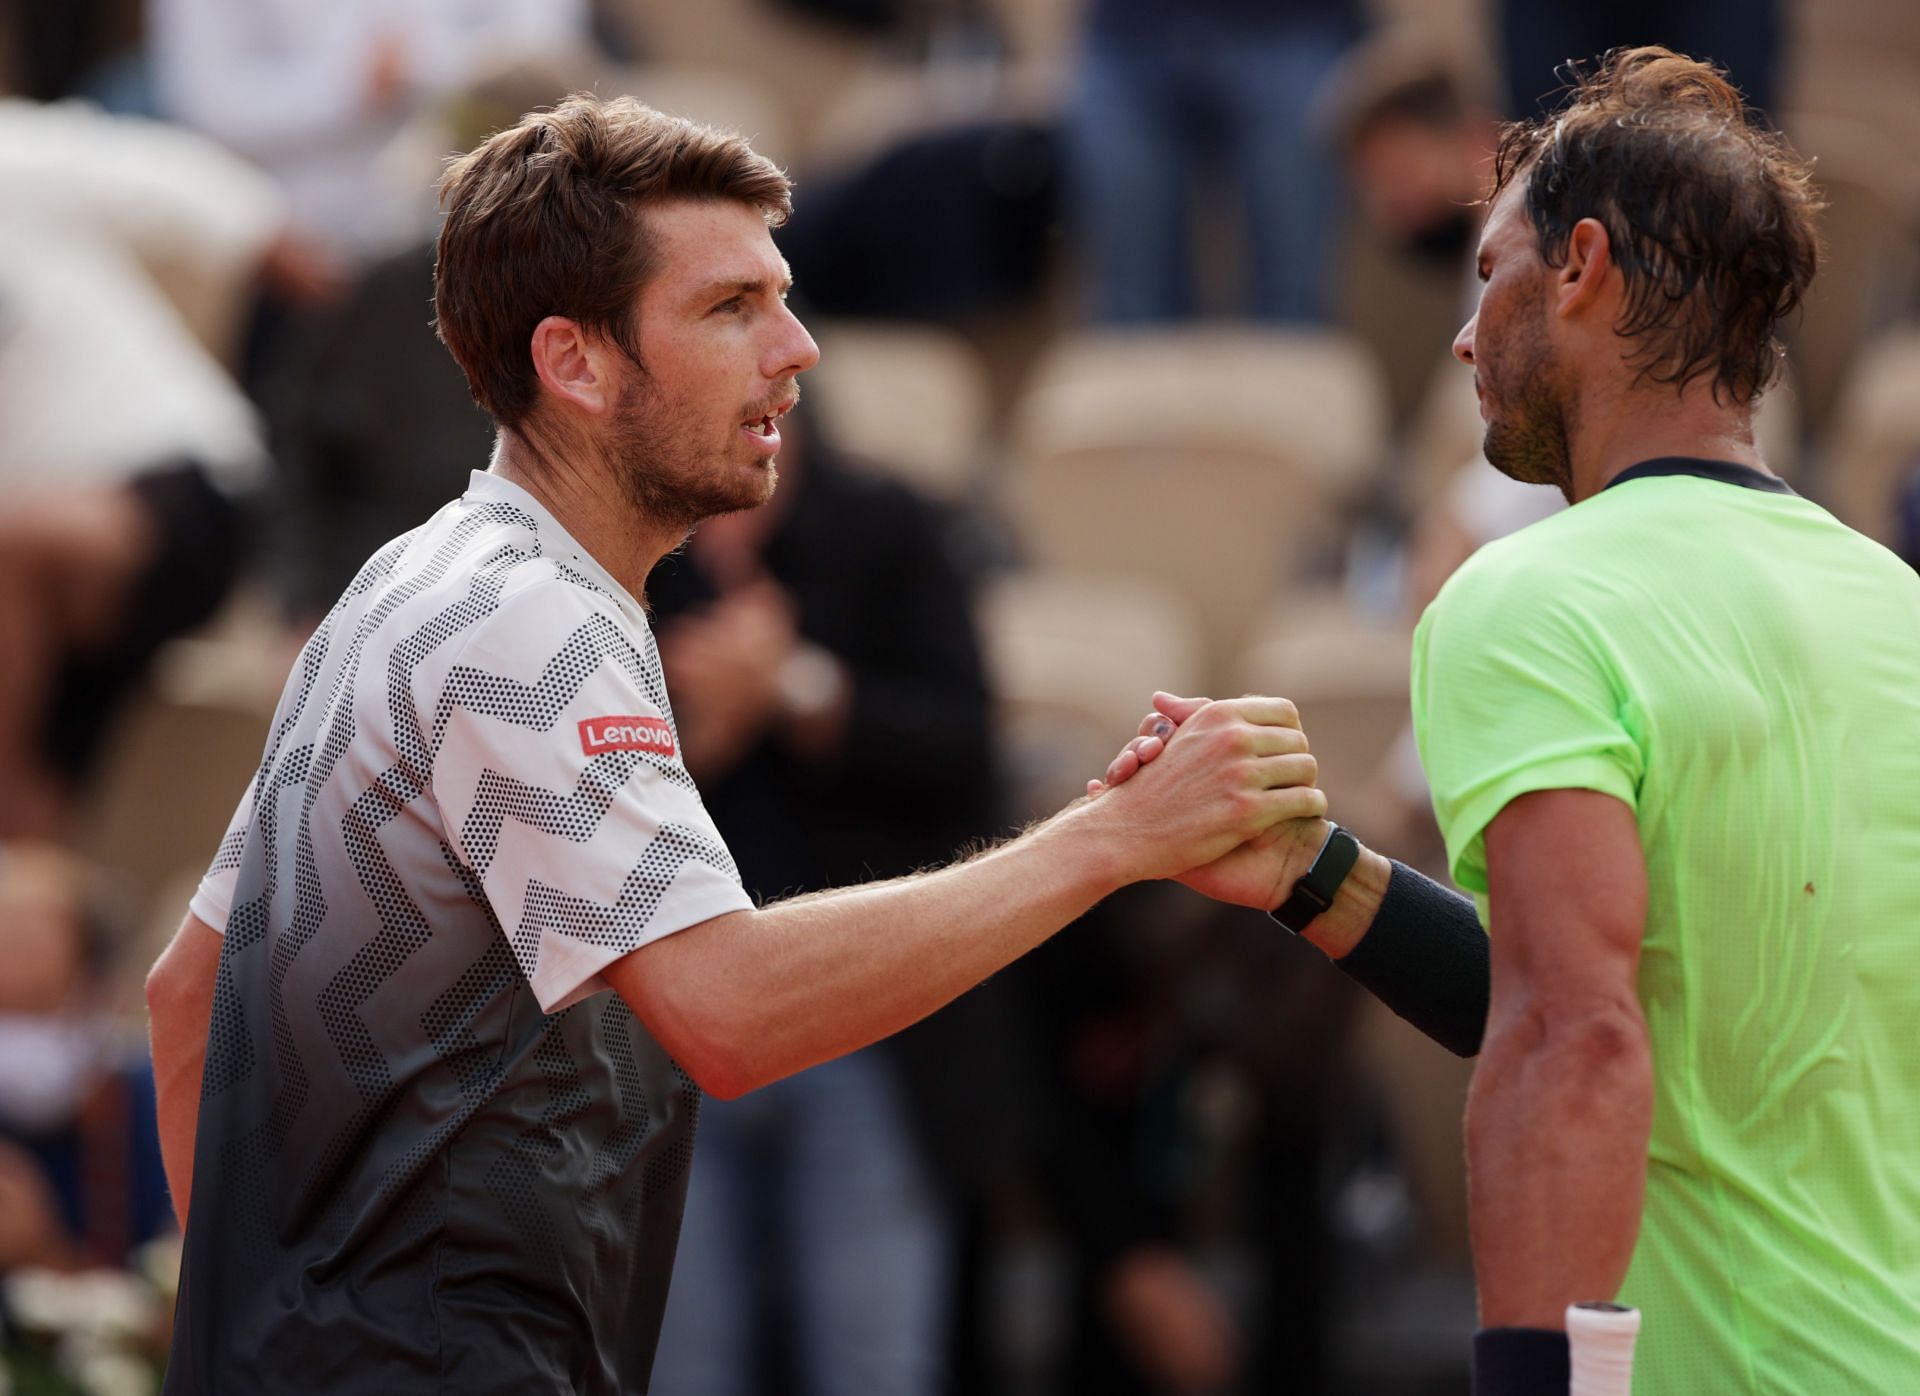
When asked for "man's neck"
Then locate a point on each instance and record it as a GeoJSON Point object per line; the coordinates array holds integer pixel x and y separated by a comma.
{"type": "Point", "coordinates": [578, 488]}
{"type": "Point", "coordinates": [1615, 431]}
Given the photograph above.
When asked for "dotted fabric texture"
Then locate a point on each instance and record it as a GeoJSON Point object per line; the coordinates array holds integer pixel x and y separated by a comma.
{"type": "Point", "coordinates": [433, 1154]}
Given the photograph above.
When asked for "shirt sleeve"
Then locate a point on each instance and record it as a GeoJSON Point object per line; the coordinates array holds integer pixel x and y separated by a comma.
{"type": "Point", "coordinates": [556, 768]}
{"type": "Point", "coordinates": [212, 901]}
{"type": "Point", "coordinates": [1514, 690]}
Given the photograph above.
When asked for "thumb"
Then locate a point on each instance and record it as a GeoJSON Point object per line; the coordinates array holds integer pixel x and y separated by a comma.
{"type": "Point", "coordinates": [1179, 709]}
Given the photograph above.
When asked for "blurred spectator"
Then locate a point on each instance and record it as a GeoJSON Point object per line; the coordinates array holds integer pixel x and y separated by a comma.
{"type": "Point", "coordinates": [1740, 36]}
{"type": "Point", "coordinates": [828, 686]}
{"type": "Point", "coordinates": [932, 227]}
{"type": "Point", "coordinates": [125, 246]}
{"type": "Point", "coordinates": [1191, 1063]}
{"type": "Point", "coordinates": [372, 429]}
{"type": "Point", "coordinates": [1171, 96]}
{"type": "Point", "coordinates": [1417, 134]}
{"type": "Point", "coordinates": [80, 1178]}
{"type": "Point", "coordinates": [314, 93]}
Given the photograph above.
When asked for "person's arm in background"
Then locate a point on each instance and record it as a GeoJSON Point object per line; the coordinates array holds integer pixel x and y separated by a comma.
{"type": "Point", "coordinates": [1561, 1109]}
{"type": "Point", "coordinates": [920, 719]}
{"type": "Point", "coordinates": [180, 1007]}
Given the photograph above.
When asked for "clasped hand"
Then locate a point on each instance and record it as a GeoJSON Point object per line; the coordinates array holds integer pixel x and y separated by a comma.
{"type": "Point", "coordinates": [1261, 871]}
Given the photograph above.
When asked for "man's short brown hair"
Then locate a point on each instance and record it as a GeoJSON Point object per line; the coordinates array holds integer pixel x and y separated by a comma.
{"type": "Point", "coordinates": [1710, 215]}
{"type": "Point", "coordinates": [547, 218]}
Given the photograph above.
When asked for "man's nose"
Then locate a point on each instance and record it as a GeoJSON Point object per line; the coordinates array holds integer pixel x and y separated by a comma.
{"type": "Point", "coordinates": [1463, 342]}
{"type": "Point", "coordinates": [796, 352]}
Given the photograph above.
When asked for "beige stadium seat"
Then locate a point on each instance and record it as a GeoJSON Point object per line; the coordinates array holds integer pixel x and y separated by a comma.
{"type": "Point", "coordinates": [167, 787]}
{"type": "Point", "coordinates": [1870, 241]}
{"type": "Point", "coordinates": [1212, 461]}
{"type": "Point", "coordinates": [1073, 663]}
{"type": "Point", "coordinates": [1875, 437]}
{"type": "Point", "coordinates": [912, 399]}
{"type": "Point", "coordinates": [1349, 680]}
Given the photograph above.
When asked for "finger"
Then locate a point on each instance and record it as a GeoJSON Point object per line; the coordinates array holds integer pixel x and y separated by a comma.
{"type": "Point", "coordinates": [1121, 767]}
{"type": "Point", "coordinates": [1277, 741]}
{"type": "Point", "coordinates": [1177, 708]}
{"type": "Point", "coordinates": [1258, 708]}
{"type": "Point", "coordinates": [1295, 768]}
{"type": "Point", "coordinates": [1290, 802]}
{"type": "Point", "coordinates": [1148, 748]}
{"type": "Point", "coordinates": [1156, 725]}
{"type": "Point", "coordinates": [1094, 787]}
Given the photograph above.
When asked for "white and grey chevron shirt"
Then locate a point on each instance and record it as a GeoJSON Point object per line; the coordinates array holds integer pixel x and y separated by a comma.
{"type": "Point", "coordinates": [433, 1152]}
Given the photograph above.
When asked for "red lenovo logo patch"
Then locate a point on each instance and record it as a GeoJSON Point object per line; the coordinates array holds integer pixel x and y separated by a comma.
{"type": "Point", "coordinates": [598, 734]}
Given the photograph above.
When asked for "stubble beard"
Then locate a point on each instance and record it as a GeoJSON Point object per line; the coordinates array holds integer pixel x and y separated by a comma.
{"type": "Point", "coordinates": [1526, 436]}
{"type": "Point", "coordinates": [666, 472]}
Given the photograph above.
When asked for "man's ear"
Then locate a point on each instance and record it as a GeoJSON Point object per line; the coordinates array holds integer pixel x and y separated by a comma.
{"type": "Point", "coordinates": [1583, 280]}
{"type": "Point", "coordinates": [572, 364]}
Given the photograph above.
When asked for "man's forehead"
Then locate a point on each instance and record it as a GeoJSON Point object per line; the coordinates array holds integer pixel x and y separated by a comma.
{"type": "Point", "coordinates": [717, 241]}
{"type": "Point", "coordinates": [1502, 216]}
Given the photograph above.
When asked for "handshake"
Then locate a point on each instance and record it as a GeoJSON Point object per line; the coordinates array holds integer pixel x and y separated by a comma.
{"type": "Point", "coordinates": [1229, 807]}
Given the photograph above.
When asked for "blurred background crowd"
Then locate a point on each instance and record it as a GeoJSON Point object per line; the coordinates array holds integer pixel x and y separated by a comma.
{"type": "Point", "coordinates": [1134, 319]}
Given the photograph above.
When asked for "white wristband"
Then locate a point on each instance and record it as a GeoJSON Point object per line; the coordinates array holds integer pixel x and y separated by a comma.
{"type": "Point", "coordinates": [1600, 1340]}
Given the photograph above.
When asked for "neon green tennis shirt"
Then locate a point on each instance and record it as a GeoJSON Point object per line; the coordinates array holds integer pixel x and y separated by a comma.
{"type": "Point", "coordinates": [1744, 672]}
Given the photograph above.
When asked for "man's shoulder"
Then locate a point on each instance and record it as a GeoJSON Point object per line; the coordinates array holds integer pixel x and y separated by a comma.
{"type": "Point", "coordinates": [541, 604]}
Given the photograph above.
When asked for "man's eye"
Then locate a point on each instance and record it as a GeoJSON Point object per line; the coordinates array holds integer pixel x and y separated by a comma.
{"type": "Point", "coordinates": [729, 305]}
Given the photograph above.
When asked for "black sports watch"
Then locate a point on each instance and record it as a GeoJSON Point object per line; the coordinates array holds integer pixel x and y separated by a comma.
{"type": "Point", "coordinates": [1314, 893]}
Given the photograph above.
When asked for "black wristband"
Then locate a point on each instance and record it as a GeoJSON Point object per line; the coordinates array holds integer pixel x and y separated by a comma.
{"type": "Point", "coordinates": [1315, 891]}
{"type": "Point", "coordinates": [1521, 1362]}
{"type": "Point", "coordinates": [1426, 957]}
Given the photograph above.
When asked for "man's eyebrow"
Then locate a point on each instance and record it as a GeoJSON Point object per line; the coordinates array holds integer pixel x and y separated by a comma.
{"type": "Point", "coordinates": [730, 286]}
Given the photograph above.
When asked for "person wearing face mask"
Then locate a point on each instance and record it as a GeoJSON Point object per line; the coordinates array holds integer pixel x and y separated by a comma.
{"type": "Point", "coordinates": [1416, 135]}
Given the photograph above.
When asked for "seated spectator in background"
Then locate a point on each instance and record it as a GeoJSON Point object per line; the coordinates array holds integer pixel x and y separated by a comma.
{"type": "Point", "coordinates": [1416, 134]}
{"type": "Point", "coordinates": [832, 706]}
{"type": "Point", "coordinates": [1170, 96]}
{"type": "Point", "coordinates": [80, 1176]}
{"type": "Point", "coordinates": [314, 93]}
{"type": "Point", "coordinates": [125, 247]}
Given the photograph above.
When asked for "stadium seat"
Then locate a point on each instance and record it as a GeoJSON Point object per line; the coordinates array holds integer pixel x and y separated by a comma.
{"type": "Point", "coordinates": [1348, 677]}
{"type": "Point", "coordinates": [1870, 240]}
{"type": "Point", "coordinates": [1073, 663]}
{"type": "Point", "coordinates": [1212, 461]}
{"type": "Point", "coordinates": [168, 784]}
{"type": "Point", "coordinates": [1875, 439]}
{"type": "Point", "coordinates": [912, 399]}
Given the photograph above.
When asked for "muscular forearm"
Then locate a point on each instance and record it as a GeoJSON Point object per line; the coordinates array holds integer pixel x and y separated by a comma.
{"type": "Point", "coordinates": [1416, 946]}
{"type": "Point", "coordinates": [1557, 1129]}
{"type": "Point", "coordinates": [750, 998]}
{"type": "Point", "coordinates": [180, 1007]}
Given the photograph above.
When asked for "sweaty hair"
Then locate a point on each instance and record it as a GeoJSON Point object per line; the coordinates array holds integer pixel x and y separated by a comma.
{"type": "Point", "coordinates": [1710, 216]}
{"type": "Point", "coordinates": [548, 218]}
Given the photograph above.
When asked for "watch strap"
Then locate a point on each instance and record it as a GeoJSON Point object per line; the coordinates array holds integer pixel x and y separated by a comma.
{"type": "Point", "coordinates": [1315, 892]}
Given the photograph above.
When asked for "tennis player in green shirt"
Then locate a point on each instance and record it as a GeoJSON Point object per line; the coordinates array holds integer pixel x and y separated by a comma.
{"type": "Point", "coordinates": [1673, 738]}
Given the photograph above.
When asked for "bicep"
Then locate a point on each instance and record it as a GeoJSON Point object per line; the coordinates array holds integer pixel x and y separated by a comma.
{"type": "Point", "coordinates": [1567, 898]}
{"type": "Point", "coordinates": [681, 988]}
